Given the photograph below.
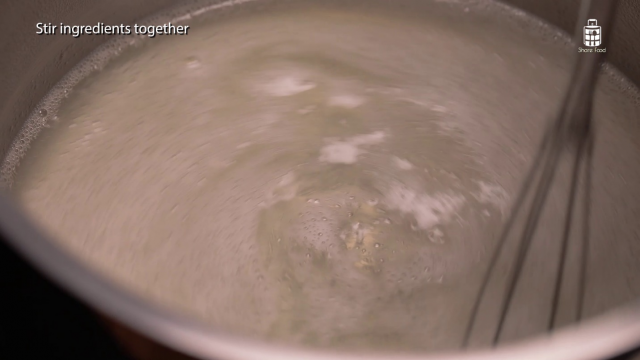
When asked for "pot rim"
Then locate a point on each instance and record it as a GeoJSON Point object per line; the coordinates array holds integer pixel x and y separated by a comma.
{"type": "Point", "coordinates": [604, 336]}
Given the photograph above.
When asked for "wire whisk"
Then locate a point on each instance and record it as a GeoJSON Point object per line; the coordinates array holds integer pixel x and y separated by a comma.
{"type": "Point", "coordinates": [571, 132]}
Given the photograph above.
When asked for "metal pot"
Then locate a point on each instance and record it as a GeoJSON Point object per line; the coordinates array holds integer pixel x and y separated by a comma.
{"type": "Point", "coordinates": [31, 64]}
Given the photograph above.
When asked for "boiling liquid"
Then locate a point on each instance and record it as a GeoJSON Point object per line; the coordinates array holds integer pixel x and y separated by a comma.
{"type": "Point", "coordinates": [322, 174]}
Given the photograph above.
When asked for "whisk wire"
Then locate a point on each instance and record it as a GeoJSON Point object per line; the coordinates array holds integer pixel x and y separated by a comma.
{"type": "Point", "coordinates": [582, 142]}
{"type": "Point", "coordinates": [505, 232]}
{"type": "Point", "coordinates": [571, 129]}
{"type": "Point", "coordinates": [540, 197]}
{"type": "Point", "coordinates": [586, 225]}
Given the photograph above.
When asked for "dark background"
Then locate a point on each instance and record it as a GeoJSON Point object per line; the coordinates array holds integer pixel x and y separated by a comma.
{"type": "Point", "coordinates": [40, 321]}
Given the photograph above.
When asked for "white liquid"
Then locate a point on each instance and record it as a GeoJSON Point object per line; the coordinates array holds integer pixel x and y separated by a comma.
{"type": "Point", "coordinates": [325, 176]}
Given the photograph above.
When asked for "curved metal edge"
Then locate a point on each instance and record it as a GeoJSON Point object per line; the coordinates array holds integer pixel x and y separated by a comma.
{"type": "Point", "coordinates": [599, 338]}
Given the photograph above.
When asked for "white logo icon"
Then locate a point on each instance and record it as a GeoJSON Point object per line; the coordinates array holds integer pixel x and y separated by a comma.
{"type": "Point", "coordinates": [592, 33]}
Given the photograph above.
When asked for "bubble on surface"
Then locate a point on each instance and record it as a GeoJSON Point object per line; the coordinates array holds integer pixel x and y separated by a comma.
{"type": "Point", "coordinates": [402, 163]}
{"type": "Point", "coordinates": [347, 152]}
{"type": "Point", "coordinates": [346, 101]}
{"type": "Point", "coordinates": [493, 194]}
{"type": "Point", "coordinates": [428, 210]}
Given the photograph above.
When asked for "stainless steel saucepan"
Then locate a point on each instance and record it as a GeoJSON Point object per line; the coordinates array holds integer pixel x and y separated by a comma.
{"type": "Point", "coordinates": [31, 64]}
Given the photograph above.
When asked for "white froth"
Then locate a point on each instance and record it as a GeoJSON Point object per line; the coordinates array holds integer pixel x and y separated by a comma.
{"type": "Point", "coordinates": [306, 110]}
{"type": "Point", "coordinates": [492, 194]}
{"type": "Point", "coordinates": [375, 137]}
{"type": "Point", "coordinates": [402, 163]}
{"type": "Point", "coordinates": [439, 108]}
{"type": "Point", "coordinates": [346, 101]}
{"type": "Point", "coordinates": [287, 86]}
{"type": "Point", "coordinates": [340, 153]}
{"type": "Point", "coordinates": [428, 210]}
{"type": "Point", "coordinates": [285, 190]}
{"type": "Point", "coordinates": [347, 151]}
{"type": "Point", "coordinates": [436, 236]}
{"type": "Point", "coordinates": [287, 179]}
{"type": "Point", "coordinates": [194, 64]}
